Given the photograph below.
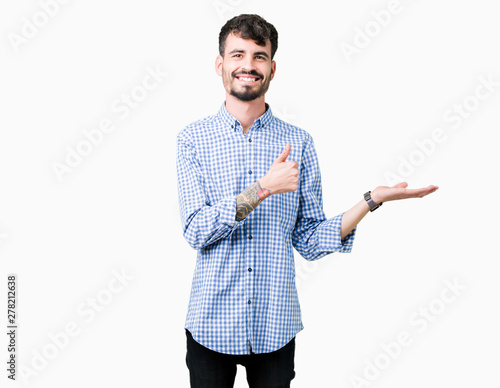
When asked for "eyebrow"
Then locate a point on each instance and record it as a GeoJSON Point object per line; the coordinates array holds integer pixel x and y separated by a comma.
{"type": "Point", "coordinates": [263, 53]}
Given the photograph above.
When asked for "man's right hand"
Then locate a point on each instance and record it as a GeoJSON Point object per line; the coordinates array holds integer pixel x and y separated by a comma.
{"type": "Point", "coordinates": [283, 175]}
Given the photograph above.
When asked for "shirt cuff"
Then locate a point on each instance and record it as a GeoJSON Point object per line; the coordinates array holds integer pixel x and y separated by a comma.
{"type": "Point", "coordinates": [228, 213]}
{"type": "Point", "coordinates": [329, 236]}
{"type": "Point", "coordinates": [348, 240]}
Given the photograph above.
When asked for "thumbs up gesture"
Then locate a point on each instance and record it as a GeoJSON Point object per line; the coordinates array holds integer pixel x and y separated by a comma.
{"type": "Point", "coordinates": [283, 175]}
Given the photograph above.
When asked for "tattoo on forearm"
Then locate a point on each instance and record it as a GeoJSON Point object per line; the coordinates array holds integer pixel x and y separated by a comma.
{"type": "Point", "coordinates": [248, 200]}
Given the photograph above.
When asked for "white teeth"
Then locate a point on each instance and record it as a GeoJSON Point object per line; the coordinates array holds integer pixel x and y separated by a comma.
{"type": "Point", "coordinates": [247, 79]}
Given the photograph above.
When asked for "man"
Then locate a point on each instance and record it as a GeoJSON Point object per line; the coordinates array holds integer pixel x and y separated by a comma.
{"type": "Point", "coordinates": [249, 192]}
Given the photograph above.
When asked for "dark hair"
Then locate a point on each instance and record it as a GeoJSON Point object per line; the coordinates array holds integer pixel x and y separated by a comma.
{"type": "Point", "coordinates": [249, 27]}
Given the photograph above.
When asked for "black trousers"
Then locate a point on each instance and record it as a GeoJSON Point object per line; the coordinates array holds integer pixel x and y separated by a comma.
{"type": "Point", "coordinates": [209, 369]}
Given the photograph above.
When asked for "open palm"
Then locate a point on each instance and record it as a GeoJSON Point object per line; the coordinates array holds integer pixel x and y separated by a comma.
{"type": "Point", "coordinates": [400, 191]}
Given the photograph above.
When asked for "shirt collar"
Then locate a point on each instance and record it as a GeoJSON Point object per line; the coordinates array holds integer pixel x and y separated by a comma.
{"type": "Point", "coordinates": [259, 123]}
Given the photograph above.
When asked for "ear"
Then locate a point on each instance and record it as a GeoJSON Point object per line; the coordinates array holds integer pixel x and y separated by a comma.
{"type": "Point", "coordinates": [273, 69]}
{"type": "Point", "coordinates": [218, 64]}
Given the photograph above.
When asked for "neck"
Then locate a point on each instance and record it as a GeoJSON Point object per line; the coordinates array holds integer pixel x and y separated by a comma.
{"type": "Point", "coordinates": [245, 111]}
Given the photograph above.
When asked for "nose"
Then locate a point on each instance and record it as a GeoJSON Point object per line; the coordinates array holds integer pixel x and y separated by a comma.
{"type": "Point", "coordinates": [248, 64]}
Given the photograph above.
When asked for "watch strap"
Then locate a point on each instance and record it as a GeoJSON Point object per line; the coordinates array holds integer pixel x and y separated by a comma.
{"type": "Point", "coordinates": [371, 203]}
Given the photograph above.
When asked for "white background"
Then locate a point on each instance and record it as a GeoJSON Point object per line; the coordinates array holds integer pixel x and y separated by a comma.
{"type": "Point", "coordinates": [117, 210]}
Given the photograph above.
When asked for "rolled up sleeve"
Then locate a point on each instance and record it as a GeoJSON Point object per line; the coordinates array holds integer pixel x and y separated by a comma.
{"type": "Point", "coordinates": [315, 236]}
{"type": "Point", "coordinates": [202, 223]}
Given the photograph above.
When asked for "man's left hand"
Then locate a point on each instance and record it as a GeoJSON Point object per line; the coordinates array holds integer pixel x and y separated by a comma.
{"type": "Point", "coordinates": [400, 191]}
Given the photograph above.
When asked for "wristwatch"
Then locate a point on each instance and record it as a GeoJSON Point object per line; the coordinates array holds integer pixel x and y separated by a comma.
{"type": "Point", "coordinates": [370, 202]}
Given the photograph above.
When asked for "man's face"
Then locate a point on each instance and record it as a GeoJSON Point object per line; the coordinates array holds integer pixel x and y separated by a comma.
{"type": "Point", "coordinates": [246, 68]}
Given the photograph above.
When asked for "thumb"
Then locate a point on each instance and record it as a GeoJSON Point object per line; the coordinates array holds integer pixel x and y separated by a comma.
{"type": "Point", "coordinates": [401, 185]}
{"type": "Point", "coordinates": [282, 157]}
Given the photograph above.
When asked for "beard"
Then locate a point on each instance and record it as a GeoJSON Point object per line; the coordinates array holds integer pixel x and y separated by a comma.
{"type": "Point", "coordinates": [248, 92]}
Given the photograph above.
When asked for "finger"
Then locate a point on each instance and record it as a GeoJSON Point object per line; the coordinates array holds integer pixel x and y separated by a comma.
{"type": "Point", "coordinates": [282, 157]}
{"type": "Point", "coordinates": [413, 193]}
{"type": "Point", "coordinates": [401, 185]}
{"type": "Point", "coordinates": [431, 189]}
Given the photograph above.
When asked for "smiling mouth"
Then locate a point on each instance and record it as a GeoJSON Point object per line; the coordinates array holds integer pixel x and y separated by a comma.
{"type": "Point", "coordinates": [247, 78]}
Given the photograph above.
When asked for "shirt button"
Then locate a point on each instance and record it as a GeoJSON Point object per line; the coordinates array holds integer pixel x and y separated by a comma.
{"type": "Point", "coordinates": [250, 171]}
{"type": "Point", "coordinates": [249, 301]}
{"type": "Point", "coordinates": [249, 269]}
{"type": "Point", "coordinates": [250, 237]}
{"type": "Point", "coordinates": [250, 140]}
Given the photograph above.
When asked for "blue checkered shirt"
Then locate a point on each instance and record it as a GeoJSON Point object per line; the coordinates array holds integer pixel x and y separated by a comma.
{"type": "Point", "coordinates": [243, 296]}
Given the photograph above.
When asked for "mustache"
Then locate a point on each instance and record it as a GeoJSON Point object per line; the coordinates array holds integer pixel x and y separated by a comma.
{"type": "Point", "coordinates": [251, 72]}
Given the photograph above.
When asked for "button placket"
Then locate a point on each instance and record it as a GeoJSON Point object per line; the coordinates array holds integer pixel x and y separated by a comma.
{"type": "Point", "coordinates": [249, 251]}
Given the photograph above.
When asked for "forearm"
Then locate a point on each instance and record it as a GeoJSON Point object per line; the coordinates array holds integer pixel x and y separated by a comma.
{"type": "Point", "coordinates": [353, 216]}
{"type": "Point", "coordinates": [249, 199]}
